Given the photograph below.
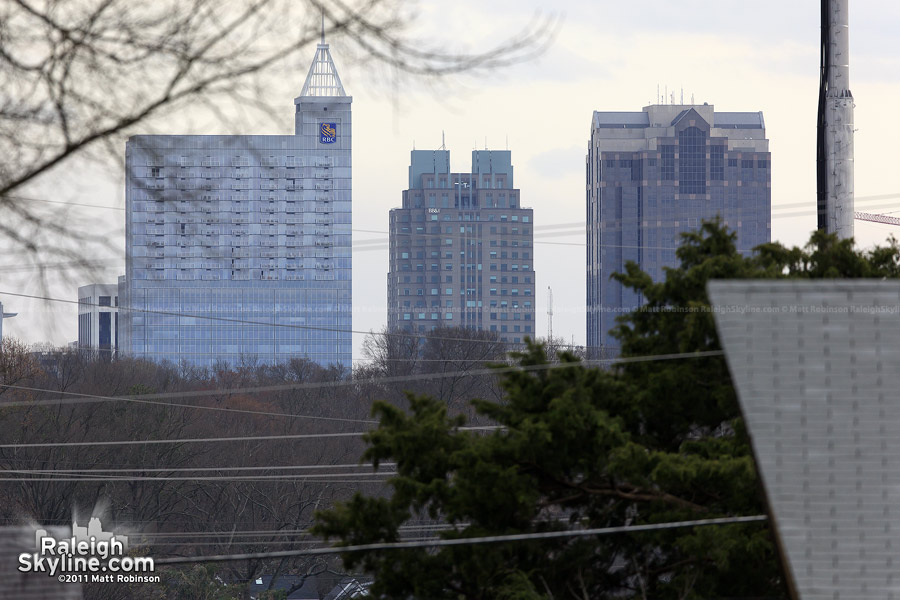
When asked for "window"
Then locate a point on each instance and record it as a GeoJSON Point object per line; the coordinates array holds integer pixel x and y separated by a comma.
{"type": "Point", "coordinates": [692, 161]}
{"type": "Point", "coordinates": [717, 162]}
{"type": "Point", "coordinates": [667, 153]}
{"type": "Point", "coordinates": [104, 300]}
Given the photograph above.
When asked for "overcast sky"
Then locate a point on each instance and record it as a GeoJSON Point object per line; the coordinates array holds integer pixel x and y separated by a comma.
{"type": "Point", "coordinates": [608, 56]}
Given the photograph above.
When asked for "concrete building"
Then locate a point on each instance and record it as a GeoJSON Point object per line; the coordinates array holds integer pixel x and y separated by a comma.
{"type": "Point", "coordinates": [238, 246]}
{"type": "Point", "coordinates": [461, 250]}
{"type": "Point", "coordinates": [654, 174]}
{"type": "Point", "coordinates": [98, 318]}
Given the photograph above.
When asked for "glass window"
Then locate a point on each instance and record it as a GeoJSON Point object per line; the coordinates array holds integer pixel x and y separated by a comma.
{"type": "Point", "coordinates": [667, 153]}
{"type": "Point", "coordinates": [692, 161]}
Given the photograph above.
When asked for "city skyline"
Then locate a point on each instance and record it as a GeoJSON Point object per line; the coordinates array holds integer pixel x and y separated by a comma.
{"type": "Point", "coordinates": [741, 60]}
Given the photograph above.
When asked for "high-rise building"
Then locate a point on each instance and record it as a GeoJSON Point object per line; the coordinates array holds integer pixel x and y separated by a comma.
{"type": "Point", "coordinates": [461, 250]}
{"type": "Point", "coordinates": [238, 246]}
{"type": "Point", "coordinates": [98, 318]}
{"type": "Point", "coordinates": [654, 174]}
{"type": "Point", "coordinates": [4, 315]}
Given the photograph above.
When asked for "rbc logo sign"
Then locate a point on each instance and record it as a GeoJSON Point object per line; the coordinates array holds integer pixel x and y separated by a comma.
{"type": "Point", "coordinates": [328, 133]}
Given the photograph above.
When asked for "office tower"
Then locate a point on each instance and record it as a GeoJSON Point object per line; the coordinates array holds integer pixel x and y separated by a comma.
{"type": "Point", "coordinates": [654, 174]}
{"type": "Point", "coordinates": [461, 249]}
{"type": "Point", "coordinates": [238, 246]}
{"type": "Point", "coordinates": [98, 318]}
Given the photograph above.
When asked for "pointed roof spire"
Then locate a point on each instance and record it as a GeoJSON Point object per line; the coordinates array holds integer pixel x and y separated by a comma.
{"type": "Point", "coordinates": [323, 78]}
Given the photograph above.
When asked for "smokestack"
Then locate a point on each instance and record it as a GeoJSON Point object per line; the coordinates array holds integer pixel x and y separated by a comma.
{"type": "Point", "coordinates": [835, 124]}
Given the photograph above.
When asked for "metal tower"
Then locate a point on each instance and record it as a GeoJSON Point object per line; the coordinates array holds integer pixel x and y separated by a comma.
{"type": "Point", "coordinates": [549, 315]}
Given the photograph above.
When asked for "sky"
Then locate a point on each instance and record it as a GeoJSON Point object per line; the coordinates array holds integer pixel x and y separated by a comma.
{"type": "Point", "coordinates": [606, 56]}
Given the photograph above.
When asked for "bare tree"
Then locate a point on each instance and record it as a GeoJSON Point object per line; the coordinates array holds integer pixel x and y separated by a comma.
{"type": "Point", "coordinates": [17, 366]}
{"type": "Point", "coordinates": [80, 75]}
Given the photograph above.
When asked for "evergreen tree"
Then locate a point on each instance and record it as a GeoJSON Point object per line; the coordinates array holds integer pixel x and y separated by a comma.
{"type": "Point", "coordinates": [649, 441]}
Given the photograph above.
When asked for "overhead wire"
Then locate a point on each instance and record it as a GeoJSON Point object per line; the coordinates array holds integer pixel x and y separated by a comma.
{"type": "Point", "coordinates": [249, 438]}
{"type": "Point", "coordinates": [87, 398]}
{"type": "Point", "coordinates": [466, 541]}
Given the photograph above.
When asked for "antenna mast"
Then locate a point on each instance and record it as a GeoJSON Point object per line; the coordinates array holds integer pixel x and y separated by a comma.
{"type": "Point", "coordinates": [549, 315]}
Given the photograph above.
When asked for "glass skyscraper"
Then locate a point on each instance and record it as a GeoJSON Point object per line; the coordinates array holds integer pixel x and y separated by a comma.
{"type": "Point", "coordinates": [461, 250]}
{"type": "Point", "coordinates": [238, 246]}
{"type": "Point", "coordinates": [654, 174]}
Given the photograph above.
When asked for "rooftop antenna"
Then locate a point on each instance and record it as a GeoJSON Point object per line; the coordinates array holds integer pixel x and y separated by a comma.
{"type": "Point", "coordinates": [692, 98]}
{"type": "Point", "coordinates": [443, 143]}
{"type": "Point", "coordinates": [682, 94]}
{"type": "Point", "coordinates": [323, 26]}
{"type": "Point", "coordinates": [507, 141]}
{"type": "Point", "coordinates": [657, 93]}
{"type": "Point", "coordinates": [666, 97]}
{"type": "Point", "coordinates": [485, 142]}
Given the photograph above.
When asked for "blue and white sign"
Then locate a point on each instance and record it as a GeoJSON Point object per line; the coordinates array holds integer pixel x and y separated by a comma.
{"type": "Point", "coordinates": [327, 133]}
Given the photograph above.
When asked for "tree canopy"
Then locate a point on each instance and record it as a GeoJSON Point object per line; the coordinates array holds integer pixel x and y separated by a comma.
{"type": "Point", "coordinates": [647, 441]}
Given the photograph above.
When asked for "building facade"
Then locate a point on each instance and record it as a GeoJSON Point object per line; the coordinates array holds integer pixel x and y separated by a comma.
{"type": "Point", "coordinates": [657, 173]}
{"type": "Point", "coordinates": [461, 252]}
{"type": "Point", "coordinates": [4, 315]}
{"type": "Point", "coordinates": [238, 246]}
{"type": "Point", "coordinates": [98, 318]}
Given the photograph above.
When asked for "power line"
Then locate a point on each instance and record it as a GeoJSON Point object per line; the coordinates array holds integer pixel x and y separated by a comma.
{"type": "Point", "coordinates": [88, 398]}
{"type": "Point", "coordinates": [85, 398]}
{"type": "Point", "coordinates": [464, 541]}
{"type": "Point", "coordinates": [248, 322]}
{"type": "Point", "coordinates": [253, 479]}
{"type": "Point", "coordinates": [192, 469]}
{"type": "Point", "coordinates": [250, 438]}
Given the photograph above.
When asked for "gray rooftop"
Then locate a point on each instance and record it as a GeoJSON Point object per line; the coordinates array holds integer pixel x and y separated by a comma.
{"type": "Point", "coordinates": [740, 120]}
{"type": "Point", "coordinates": [816, 365]}
{"type": "Point", "coordinates": [637, 119]}
{"type": "Point", "coordinates": [621, 119]}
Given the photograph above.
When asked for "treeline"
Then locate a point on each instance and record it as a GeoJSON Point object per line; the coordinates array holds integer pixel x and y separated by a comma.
{"type": "Point", "coordinates": [187, 497]}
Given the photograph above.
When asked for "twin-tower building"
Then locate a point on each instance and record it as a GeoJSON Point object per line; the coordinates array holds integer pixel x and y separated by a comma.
{"type": "Point", "coordinates": [238, 247]}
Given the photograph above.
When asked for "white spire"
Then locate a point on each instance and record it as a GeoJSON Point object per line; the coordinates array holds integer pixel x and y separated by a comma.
{"type": "Point", "coordinates": [323, 78]}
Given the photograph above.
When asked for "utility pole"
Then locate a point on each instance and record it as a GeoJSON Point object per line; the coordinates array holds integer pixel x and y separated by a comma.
{"type": "Point", "coordinates": [834, 131]}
